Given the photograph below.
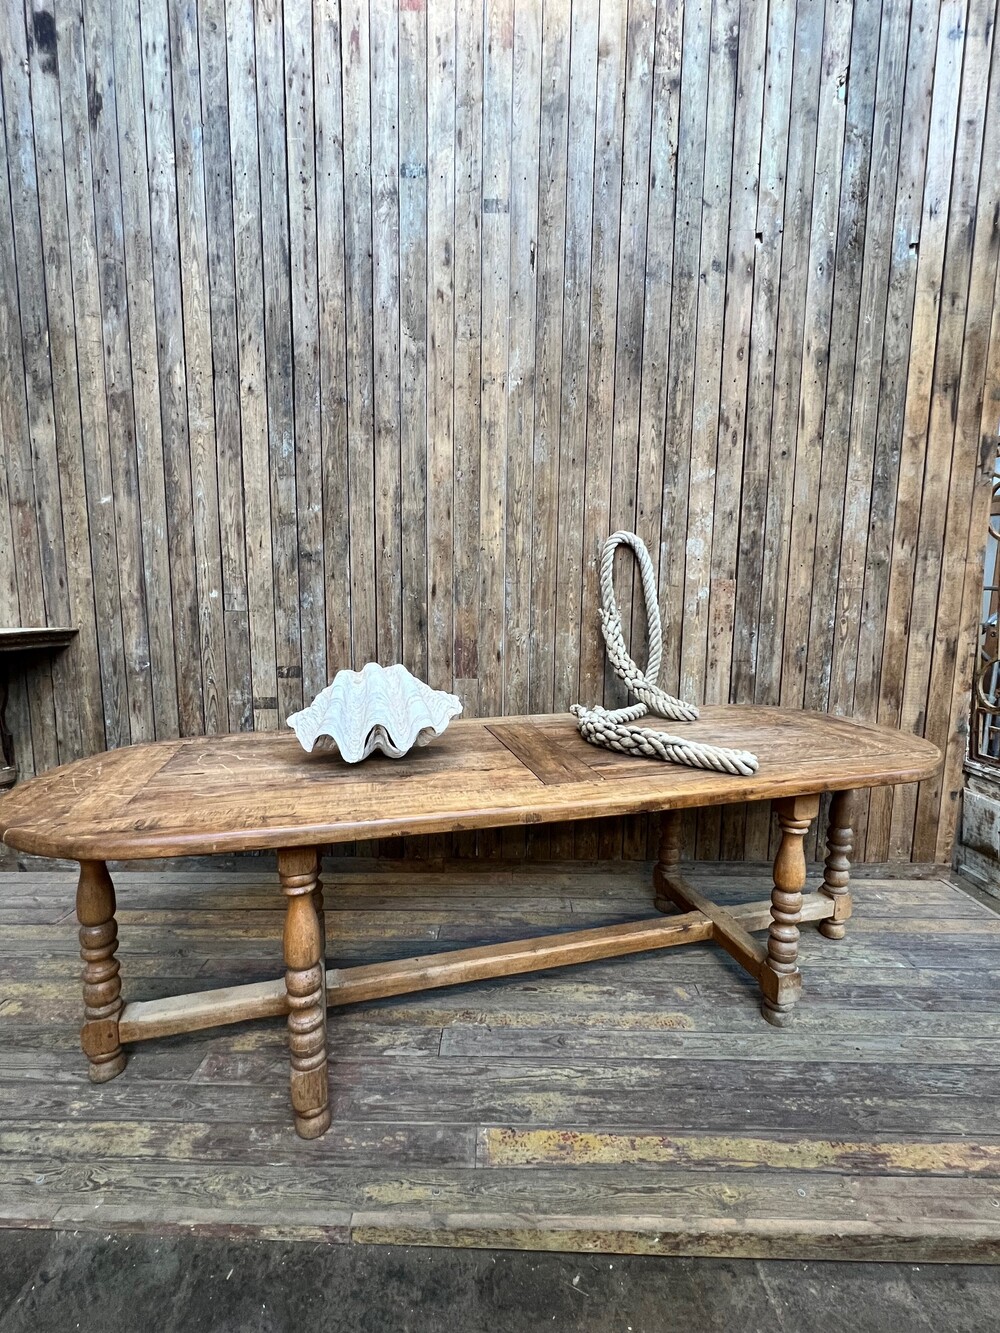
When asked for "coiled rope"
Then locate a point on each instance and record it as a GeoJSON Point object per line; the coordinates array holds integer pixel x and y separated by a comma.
{"type": "Point", "coordinates": [615, 729]}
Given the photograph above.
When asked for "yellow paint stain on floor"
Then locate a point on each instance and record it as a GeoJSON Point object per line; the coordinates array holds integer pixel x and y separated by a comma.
{"type": "Point", "coordinates": [565, 1147]}
{"type": "Point", "coordinates": [98, 1139]}
{"type": "Point", "coordinates": [251, 1041]}
{"type": "Point", "coordinates": [542, 1018]}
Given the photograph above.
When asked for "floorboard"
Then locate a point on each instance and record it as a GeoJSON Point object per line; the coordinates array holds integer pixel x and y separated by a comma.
{"type": "Point", "coordinates": [636, 1105]}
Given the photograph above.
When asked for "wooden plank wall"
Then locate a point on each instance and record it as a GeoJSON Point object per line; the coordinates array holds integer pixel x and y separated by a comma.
{"type": "Point", "coordinates": [349, 330]}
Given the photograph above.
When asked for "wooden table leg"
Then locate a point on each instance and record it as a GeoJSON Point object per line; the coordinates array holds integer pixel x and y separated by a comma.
{"type": "Point", "coordinates": [102, 987]}
{"type": "Point", "coordinates": [317, 897]}
{"type": "Point", "coordinates": [837, 875]}
{"type": "Point", "coordinates": [317, 894]}
{"type": "Point", "coordinates": [298, 868]}
{"type": "Point", "coordinates": [668, 859]}
{"type": "Point", "coordinates": [780, 979]}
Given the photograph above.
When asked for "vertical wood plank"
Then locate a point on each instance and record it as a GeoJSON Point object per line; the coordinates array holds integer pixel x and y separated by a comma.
{"type": "Point", "coordinates": [806, 674]}
{"type": "Point", "coordinates": [521, 379]}
{"type": "Point", "coordinates": [269, 38]}
{"type": "Point", "coordinates": [496, 230]}
{"type": "Point", "coordinates": [714, 296]}
{"type": "Point", "coordinates": [356, 76]}
{"type": "Point", "coordinates": [785, 43]}
{"type": "Point", "coordinates": [862, 379]}
{"type": "Point", "coordinates": [439, 353]}
{"type": "Point", "coordinates": [468, 342]}
{"type": "Point", "coordinates": [332, 302]}
{"type": "Point", "coordinates": [604, 837]}
{"type": "Point", "coordinates": [414, 105]}
{"type": "Point", "coordinates": [946, 521]}
{"type": "Point", "coordinates": [413, 319]}
{"type": "Point", "coordinates": [837, 506]}
{"type": "Point", "coordinates": [440, 342]}
{"type": "Point", "coordinates": [572, 618]}
{"type": "Point", "coordinates": [193, 252]}
{"type": "Point", "coordinates": [300, 142]}
{"type": "Point", "coordinates": [498, 75]}
{"type": "Point", "coordinates": [637, 151]}
{"type": "Point", "coordinates": [640, 53]}
{"type": "Point", "coordinates": [779, 418]}
{"type": "Point", "coordinates": [932, 241]}
{"type": "Point", "coordinates": [468, 252]}
{"type": "Point", "coordinates": [604, 293]}
{"type": "Point", "coordinates": [49, 690]}
{"type": "Point", "coordinates": [225, 360]}
{"type": "Point", "coordinates": [385, 330]}
{"type": "Point", "coordinates": [940, 450]}
{"type": "Point", "coordinates": [553, 147]}
{"type": "Point", "coordinates": [737, 330]}
{"type": "Point", "coordinates": [15, 431]}
{"type": "Point", "coordinates": [168, 324]}
{"type": "Point", "coordinates": [521, 375]}
{"type": "Point", "coordinates": [909, 185]}
{"type": "Point", "coordinates": [683, 331]}
{"type": "Point", "coordinates": [687, 269]}
{"type": "Point", "coordinates": [707, 366]}
{"type": "Point", "coordinates": [963, 655]}
{"type": "Point", "coordinates": [739, 824]}
{"type": "Point", "coordinates": [718, 828]}
{"type": "Point", "coordinates": [241, 67]}
{"type": "Point", "coordinates": [40, 249]}
{"type": "Point", "coordinates": [9, 599]}
{"type": "Point", "coordinates": [575, 351]}
{"type": "Point", "coordinates": [657, 316]}
{"type": "Point", "coordinates": [119, 385]}
{"type": "Point", "coordinates": [798, 539]}
{"type": "Point", "coordinates": [77, 107]}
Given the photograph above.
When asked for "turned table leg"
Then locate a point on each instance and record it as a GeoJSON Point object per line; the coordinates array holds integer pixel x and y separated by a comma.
{"type": "Point", "coordinates": [317, 897]}
{"type": "Point", "coordinates": [668, 859]}
{"type": "Point", "coordinates": [298, 869]}
{"type": "Point", "coordinates": [780, 979]}
{"type": "Point", "coordinates": [837, 873]}
{"type": "Point", "coordinates": [102, 987]}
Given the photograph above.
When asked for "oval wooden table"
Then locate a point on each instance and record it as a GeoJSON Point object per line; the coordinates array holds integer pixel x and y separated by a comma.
{"type": "Point", "coordinates": [255, 791]}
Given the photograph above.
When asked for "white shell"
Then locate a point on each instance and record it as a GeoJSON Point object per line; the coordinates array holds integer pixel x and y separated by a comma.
{"type": "Point", "coordinates": [377, 708]}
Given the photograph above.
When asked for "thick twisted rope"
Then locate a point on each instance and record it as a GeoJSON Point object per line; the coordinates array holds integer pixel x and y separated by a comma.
{"type": "Point", "coordinates": [615, 729]}
{"type": "Point", "coordinates": [643, 686]}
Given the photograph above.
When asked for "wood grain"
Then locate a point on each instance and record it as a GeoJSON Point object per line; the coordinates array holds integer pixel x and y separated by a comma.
{"type": "Point", "coordinates": [252, 791]}
{"type": "Point", "coordinates": [565, 1110]}
{"type": "Point", "coordinates": [348, 332]}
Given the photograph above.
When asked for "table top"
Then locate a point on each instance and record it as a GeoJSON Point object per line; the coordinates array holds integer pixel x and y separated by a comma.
{"type": "Point", "coordinates": [257, 790]}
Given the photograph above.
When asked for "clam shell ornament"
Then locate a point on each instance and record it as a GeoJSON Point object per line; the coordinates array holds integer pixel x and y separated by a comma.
{"type": "Point", "coordinates": [377, 708]}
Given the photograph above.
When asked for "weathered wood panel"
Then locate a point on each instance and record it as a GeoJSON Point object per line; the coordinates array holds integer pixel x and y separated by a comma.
{"type": "Point", "coordinates": [635, 1104]}
{"type": "Point", "coordinates": [348, 330]}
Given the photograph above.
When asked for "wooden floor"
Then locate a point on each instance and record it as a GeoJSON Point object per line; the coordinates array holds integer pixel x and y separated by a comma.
{"type": "Point", "coordinates": [637, 1105]}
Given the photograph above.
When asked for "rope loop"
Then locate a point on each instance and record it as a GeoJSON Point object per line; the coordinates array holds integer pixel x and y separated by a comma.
{"type": "Point", "coordinates": [644, 687]}
{"type": "Point", "coordinates": [615, 729]}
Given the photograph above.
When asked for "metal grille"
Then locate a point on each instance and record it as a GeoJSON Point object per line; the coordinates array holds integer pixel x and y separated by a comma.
{"type": "Point", "coordinates": [985, 733]}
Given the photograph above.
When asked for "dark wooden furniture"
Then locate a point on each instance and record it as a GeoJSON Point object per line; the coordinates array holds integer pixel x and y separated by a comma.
{"type": "Point", "coordinates": [17, 648]}
{"type": "Point", "coordinates": [259, 791]}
